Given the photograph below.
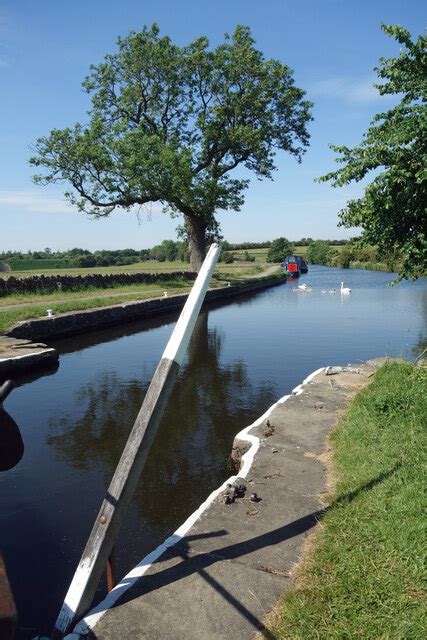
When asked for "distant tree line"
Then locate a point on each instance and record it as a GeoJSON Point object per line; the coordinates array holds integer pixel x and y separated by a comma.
{"type": "Point", "coordinates": [281, 247]}
{"type": "Point", "coordinates": [166, 251]}
{"type": "Point", "coordinates": [355, 254]}
{"type": "Point", "coordinates": [351, 254]}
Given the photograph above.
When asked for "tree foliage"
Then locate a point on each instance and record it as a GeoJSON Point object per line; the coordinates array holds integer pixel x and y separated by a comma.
{"type": "Point", "coordinates": [279, 249]}
{"type": "Point", "coordinates": [392, 210]}
{"type": "Point", "coordinates": [318, 252]}
{"type": "Point", "coordinates": [169, 124]}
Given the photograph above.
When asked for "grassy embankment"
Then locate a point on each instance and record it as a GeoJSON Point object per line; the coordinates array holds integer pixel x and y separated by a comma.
{"type": "Point", "coordinates": [362, 576]}
{"type": "Point", "coordinates": [14, 308]}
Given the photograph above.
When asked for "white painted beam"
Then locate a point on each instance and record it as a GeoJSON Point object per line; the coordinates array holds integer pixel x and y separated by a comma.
{"type": "Point", "coordinates": [114, 506]}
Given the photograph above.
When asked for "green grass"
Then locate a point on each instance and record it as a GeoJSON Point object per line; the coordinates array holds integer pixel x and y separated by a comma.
{"type": "Point", "coordinates": [363, 575]}
{"type": "Point", "coordinates": [261, 254]}
{"type": "Point", "coordinates": [35, 305]}
{"type": "Point", "coordinates": [150, 266]}
{"type": "Point", "coordinates": [136, 289]}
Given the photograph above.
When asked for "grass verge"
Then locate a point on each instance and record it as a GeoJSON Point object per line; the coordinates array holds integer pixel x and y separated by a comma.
{"type": "Point", "coordinates": [35, 305]}
{"type": "Point", "coordinates": [88, 299]}
{"type": "Point", "coordinates": [362, 577]}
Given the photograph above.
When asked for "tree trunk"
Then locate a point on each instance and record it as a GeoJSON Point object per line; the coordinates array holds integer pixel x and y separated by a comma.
{"type": "Point", "coordinates": [196, 231]}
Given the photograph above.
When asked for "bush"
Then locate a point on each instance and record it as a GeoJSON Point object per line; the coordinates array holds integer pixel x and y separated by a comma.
{"type": "Point", "coordinates": [228, 257]}
{"type": "Point", "coordinates": [248, 258]}
{"type": "Point", "coordinates": [280, 248]}
{"type": "Point", "coordinates": [85, 261]}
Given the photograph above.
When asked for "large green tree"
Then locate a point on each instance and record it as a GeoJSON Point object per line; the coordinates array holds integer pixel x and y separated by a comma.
{"type": "Point", "coordinates": [279, 249]}
{"type": "Point", "coordinates": [392, 210]}
{"type": "Point", "coordinates": [169, 124]}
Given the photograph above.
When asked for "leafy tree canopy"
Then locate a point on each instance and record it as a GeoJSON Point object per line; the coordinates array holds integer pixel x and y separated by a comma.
{"type": "Point", "coordinates": [318, 252]}
{"type": "Point", "coordinates": [392, 209]}
{"type": "Point", "coordinates": [279, 249]}
{"type": "Point", "coordinates": [169, 124]}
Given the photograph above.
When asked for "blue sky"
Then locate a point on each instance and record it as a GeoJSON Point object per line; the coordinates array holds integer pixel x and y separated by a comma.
{"type": "Point", "coordinates": [46, 48]}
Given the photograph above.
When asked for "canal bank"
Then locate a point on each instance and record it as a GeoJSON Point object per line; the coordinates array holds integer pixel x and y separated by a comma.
{"type": "Point", "coordinates": [21, 347]}
{"type": "Point", "coordinates": [223, 570]}
{"type": "Point", "coordinates": [74, 420]}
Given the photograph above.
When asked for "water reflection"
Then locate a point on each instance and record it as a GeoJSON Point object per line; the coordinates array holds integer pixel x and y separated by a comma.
{"type": "Point", "coordinates": [209, 404]}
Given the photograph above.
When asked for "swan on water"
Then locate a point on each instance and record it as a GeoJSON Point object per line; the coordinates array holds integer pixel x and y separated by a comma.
{"type": "Point", "coordinates": [303, 287]}
{"type": "Point", "coordinates": [344, 289]}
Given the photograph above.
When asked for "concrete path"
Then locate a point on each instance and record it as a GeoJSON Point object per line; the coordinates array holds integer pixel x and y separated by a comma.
{"type": "Point", "coordinates": [224, 569]}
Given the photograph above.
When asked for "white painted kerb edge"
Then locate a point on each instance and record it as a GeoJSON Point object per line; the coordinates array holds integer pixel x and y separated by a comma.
{"type": "Point", "coordinates": [129, 580]}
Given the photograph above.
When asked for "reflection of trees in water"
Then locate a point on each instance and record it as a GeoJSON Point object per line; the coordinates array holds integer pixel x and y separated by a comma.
{"type": "Point", "coordinates": [208, 406]}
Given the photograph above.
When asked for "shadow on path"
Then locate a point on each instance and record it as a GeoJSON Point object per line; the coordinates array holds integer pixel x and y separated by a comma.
{"type": "Point", "coordinates": [199, 562]}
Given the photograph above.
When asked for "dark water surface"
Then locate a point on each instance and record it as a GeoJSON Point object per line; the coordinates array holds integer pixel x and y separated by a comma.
{"type": "Point", "coordinates": [243, 356]}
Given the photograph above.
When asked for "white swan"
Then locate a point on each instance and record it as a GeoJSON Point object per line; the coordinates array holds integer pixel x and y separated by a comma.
{"type": "Point", "coordinates": [344, 289]}
{"type": "Point", "coordinates": [303, 287]}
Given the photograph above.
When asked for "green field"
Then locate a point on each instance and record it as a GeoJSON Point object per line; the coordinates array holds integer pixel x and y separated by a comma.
{"type": "Point", "coordinates": [261, 254]}
{"type": "Point", "coordinates": [150, 266]}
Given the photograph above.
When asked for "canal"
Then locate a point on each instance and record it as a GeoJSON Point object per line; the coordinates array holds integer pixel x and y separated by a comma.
{"type": "Point", "coordinates": [243, 356]}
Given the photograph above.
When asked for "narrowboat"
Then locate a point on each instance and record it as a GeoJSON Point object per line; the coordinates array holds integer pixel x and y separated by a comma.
{"type": "Point", "coordinates": [295, 265]}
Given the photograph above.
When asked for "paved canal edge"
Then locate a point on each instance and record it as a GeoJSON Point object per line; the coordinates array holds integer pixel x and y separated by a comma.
{"type": "Point", "coordinates": [225, 567]}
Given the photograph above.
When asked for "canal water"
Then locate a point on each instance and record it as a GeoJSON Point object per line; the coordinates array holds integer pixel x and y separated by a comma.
{"type": "Point", "coordinates": [243, 356]}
